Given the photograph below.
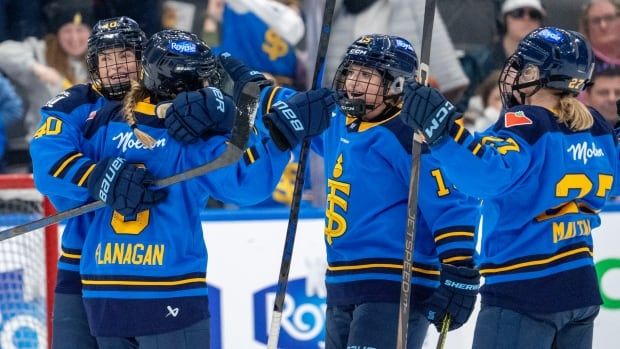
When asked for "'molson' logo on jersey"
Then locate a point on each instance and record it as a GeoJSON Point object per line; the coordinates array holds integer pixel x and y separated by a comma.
{"type": "Point", "coordinates": [581, 151]}
{"type": "Point", "coordinates": [303, 316]}
{"type": "Point", "coordinates": [126, 141]}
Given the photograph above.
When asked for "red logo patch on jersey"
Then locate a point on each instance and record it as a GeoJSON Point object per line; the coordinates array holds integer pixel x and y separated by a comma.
{"type": "Point", "coordinates": [516, 119]}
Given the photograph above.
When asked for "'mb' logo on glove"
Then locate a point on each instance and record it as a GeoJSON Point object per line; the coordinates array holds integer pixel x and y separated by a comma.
{"type": "Point", "coordinates": [290, 115]}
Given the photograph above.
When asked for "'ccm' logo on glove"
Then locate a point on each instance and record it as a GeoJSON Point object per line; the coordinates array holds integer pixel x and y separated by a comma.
{"type": "Point", "coordinates": [438, 118]}
{"type": "Point", "coordinates": [289, 114]}
{"type": "Point", "coordinates": [108, 177]}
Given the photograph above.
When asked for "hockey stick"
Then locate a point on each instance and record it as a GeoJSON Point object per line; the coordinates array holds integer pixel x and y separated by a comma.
{"type": "Point", "coordinates": [289, 241]}
{"type": "Point", "coordinates": [412, 205]}
{"type": "Point", "coordinates": [445, 325]}
{"type": "Point", "coordinates": [244, 120]}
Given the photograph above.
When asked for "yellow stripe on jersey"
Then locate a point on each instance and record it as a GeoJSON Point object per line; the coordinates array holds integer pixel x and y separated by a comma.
{"type": "Point", "coordinates": [456, 259]}
{"type": "Point", "coordinates": [144, 283]}
{"type": "Point", "coordinates": [381, 265]}
{"type": "Point", "coordinates": [86, 174]}
{"type": "Point", "coordinates": [455, 233]}
{"type": "Point", "coordinates": [70, 255]}
{"type": "Point", "coordinates": [270, 99]}
{"type": "Point", "coordinates": [537, 262]}
{"type": "Point", "coordinates": [66, 163]}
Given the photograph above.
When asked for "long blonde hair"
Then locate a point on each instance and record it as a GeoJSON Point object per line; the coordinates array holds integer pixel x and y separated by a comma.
{"type": "Point", "coordinates": [136, 94]}
{"type": "Point", "coordinates": [574, 114]}
{"type": "Point", "coordinates": [57, 58]}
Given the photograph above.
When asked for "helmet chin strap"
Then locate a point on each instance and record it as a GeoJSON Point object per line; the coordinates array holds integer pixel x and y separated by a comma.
{"type": "Point", "coordinates": [522, 96]}
{"type": "Point", "coordinates": [358, 108]}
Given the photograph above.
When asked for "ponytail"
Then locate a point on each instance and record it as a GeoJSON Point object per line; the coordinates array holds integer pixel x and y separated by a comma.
{"type": "Point", "coordinates": [136, 94]}
{"type": "Point", "coordinates": [574, 114]}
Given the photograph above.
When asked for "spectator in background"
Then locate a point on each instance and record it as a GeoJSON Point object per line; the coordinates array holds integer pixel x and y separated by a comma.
{"type": "Point", "coordinates": [485, 107]}
{"type": "Point", "coordinates": [19, 19]}
{"type": "Point", "coordinates": [11, 110]}
{"type": "Point", "coordinates": [404, 18]}
{"type": "Point", "coordinates": [600, 23]}
{"type": "Point", "coordinates": [43, 68]}
{"type": "Point", "coordinates": [271, 30]}
{"type": "Point", "coordinates": [518, 18]}
{"type": "Point", "coordinates": [604, 92]}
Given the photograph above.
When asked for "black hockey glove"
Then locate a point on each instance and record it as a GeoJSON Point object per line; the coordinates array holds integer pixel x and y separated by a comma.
{"type": "Point", "coordinates": [427, 111]}
{"type": "Point", "coordinates": [306, 114]}
{"type": "Point", "coordinates": [199, 115]}
{"type": "Point", "coordinates": [123, 186]}
{"type": "Point", "coordinates": [240, 74]}
{"type": "Point", "coordinates": [456, 296]}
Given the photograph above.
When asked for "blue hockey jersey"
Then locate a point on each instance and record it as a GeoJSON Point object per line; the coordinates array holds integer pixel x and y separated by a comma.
{"type": "Point", "coordinates": [60, 160]}
{"type": "Point", "coordinates": [542, 187]}
{"type": "Point", "coordinates": [147, 274]}
{"type": "Point", "coordinates": [368, 168]}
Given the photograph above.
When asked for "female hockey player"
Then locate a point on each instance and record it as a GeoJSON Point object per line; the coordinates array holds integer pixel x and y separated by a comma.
{"type": "Point", "coordinates": [544, 172]}
{"type": "Point", "coordinates": [60, 159]}
{"type": "Point", "coordinates": [144, 260]}
{"type": "Point", "coordinates": [367, 155]}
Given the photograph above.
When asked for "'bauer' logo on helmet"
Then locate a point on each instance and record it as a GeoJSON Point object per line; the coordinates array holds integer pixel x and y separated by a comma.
{"type": "Point", "coordinates": [182, 47]}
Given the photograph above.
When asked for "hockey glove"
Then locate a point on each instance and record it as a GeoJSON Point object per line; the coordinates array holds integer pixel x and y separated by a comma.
{"type": "Point", "coordinates": [123, 186]}
{"type": "Point", "coordinates": [456, 296]}
{"type": "Point", "coordinates": [306, 114]}
{"type": "Point", "coordinates": [240, 74]}
{"type": "Point", "coordinates": [199, 115]}
{"type": "Point", "coordinates": [427, 111]}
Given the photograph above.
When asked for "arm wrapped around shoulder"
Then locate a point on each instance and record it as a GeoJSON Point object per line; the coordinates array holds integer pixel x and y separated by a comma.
{"type": "Point", "coordinates": [426, 110]}
{"type": "Point", "coordinates": [123, 186]}
{"type": "Point", "coordinates": [306, 114]}
{"type": "Point", "coordinates": [199, 115]}
{"type": "Point", "coordinates": [456, 295]}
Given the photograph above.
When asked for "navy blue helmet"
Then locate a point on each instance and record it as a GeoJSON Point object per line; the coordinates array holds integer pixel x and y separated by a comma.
{"type": "Point", "coordinates": [563, 60]}
{"type": "Point", "coordinates": [175, 61]}
{"type": "Point", "coordinates": [109, 65]}
{"type": "Point", "coordinates": [393, 58]}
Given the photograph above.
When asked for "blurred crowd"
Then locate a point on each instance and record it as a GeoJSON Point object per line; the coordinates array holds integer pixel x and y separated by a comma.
{"type": "Point", "coordinates": [43, 45]}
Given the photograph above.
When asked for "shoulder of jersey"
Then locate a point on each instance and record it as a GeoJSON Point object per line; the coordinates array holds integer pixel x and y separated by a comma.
{"type": "Point", "coordinates": [403, 134]}
{"type": "Point", "coordinates": [103, 116]}
{"type": "Point", "coordinates": [527, 121]}
{"type": "Point", "coordinates": [532, 122]}
{"type": "Point", "coordinates": [600, 127]}
{"type": "Point", "coordinates": [67, 100]}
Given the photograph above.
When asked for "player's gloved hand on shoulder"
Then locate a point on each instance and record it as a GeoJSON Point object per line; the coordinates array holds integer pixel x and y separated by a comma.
{"type": "Point", "coordinates": [426, 110]}
{"type": "Point", "coordinates": [199, 114]}
{"type": "Point", "coordinates": [456, 296]}
{"type": "Point", "coordinates": [240, 74]}
{"type": "Point", "coordinates": [123, 186]}
{"type": "Point", "coordinates": [306, 114]}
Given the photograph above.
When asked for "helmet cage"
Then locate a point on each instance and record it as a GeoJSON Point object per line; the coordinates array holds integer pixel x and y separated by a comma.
{"type": "Point", "coordinates": [362, 101]}
{"type": "Point", "coordinates": [123, 35]}
{"type": "Point", "coordinates": [392, 57]}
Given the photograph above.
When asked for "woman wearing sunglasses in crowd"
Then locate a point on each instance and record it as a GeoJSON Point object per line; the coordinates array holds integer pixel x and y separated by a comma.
{"type": "Point", "coordinates": [518, 18]}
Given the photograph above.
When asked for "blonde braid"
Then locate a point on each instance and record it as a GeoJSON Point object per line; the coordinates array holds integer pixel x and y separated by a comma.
{"type": "Point", "coordinates": [136, 94]}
